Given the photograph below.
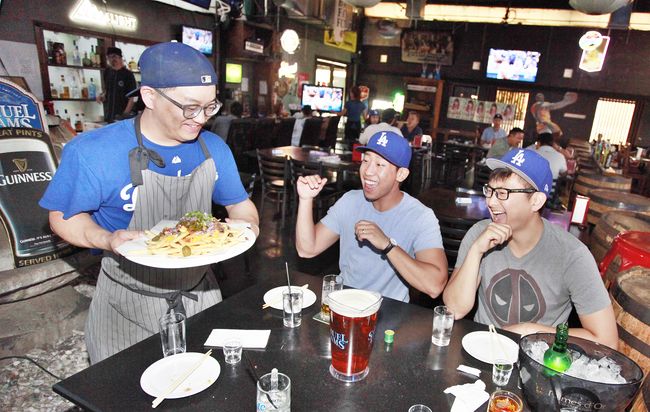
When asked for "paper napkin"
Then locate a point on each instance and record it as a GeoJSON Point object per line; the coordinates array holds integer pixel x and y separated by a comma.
{"type": "Point", "coordinates": [250, 338]}
{"type": "Point", "coordinates": [469, 397]}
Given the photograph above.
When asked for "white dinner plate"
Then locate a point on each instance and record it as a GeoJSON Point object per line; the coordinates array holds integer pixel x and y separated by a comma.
{"type": "Point", "coordinates": [486, 348]}
{"type": "Point", "coordinates": [176, 262]}
{"type": "Point", "coordinates": [157, 378]}
{"type": "Point", "coordinates": [274, 297]}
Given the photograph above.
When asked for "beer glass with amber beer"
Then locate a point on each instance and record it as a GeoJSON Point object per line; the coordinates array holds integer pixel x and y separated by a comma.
{"type": "Point", "coordinates": [353, 318]}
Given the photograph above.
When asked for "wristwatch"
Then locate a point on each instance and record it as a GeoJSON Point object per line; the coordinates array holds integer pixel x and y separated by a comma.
{"type": "Point", "coordinates": [391, 244]}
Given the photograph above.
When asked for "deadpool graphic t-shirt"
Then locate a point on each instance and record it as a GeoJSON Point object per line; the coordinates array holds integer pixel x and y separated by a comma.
{"type": "Point", "coordinates": [539, 287]}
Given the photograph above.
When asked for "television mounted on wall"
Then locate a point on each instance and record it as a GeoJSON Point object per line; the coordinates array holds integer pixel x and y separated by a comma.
{"type": "Point", "coordinates": [515, 65]}
{"type": "Point", "coordinates": [200, 39]}
{"type": "Point", "coordinates": [322, 98]}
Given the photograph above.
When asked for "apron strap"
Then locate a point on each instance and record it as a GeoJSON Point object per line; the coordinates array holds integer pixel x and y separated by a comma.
{"type": "Point", "coordinates": [140, 156]}
{"type": "Point", "coordinates": [174, 299]}
{"type": "Point", "coordinates": [204, 148]}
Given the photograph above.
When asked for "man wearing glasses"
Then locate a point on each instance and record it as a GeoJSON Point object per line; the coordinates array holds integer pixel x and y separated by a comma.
{"type": "Point", "coordinates": [528, 271]}
{"type": "Point", "coordinates": [119, 180]}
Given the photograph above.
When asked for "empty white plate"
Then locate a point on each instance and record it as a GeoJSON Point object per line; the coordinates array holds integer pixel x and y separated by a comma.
{"type": "Point", "coordinates": [274, 297]}
{"type": "Point", "coordinates": [157, 378]}
{"type": "Point", "coordinates": [488, 348]}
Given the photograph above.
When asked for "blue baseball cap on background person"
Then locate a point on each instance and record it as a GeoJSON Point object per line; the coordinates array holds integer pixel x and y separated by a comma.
{"type": "Point", "coordinates": [390, 146]}
{"type": "Point", "coordinates": [174, 64]}
{"type": "Point", "coordinates": [529, 165]}
{"type": "Point", "coordinates": [373, 112]}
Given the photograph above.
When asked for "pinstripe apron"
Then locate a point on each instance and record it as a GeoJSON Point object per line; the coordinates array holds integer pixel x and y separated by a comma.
{"type": "Point", "coordinates": [130, 298]}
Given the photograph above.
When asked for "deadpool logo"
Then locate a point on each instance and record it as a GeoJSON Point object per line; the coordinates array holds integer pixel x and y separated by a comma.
{"type": "Point", "coordinates": [513, 296]}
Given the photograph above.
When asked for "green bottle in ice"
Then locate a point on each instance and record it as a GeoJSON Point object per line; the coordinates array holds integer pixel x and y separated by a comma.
{"type": "Point", "coordinates": [557, 357]}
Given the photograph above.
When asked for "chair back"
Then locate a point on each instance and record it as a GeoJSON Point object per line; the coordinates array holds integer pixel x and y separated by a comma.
{"type": "Point", "coordinates": [263, 133]}
{"type": "Point", "coordinates": [453, 230]}
{"type": "Point", "coordinates": [284, 131]}
{"type": "Point", "coordinates": [481, 176]}
{"type": "Point", "coordinates": [248, 180]}
{"type": "Point", "coordinates": [331, 132]}
{"type": "Point", "coordinates": [240, 136]}
{"type": "Point", "coordinates": [272, 169]}
{"type": "Point", "coordinates": [311, 132]}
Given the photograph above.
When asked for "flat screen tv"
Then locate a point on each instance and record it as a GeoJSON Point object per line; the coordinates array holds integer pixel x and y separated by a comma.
{"type": "Point", "coordinates": [200, 39]}
{"type": "Point", "coordinates": [322, 98]}
{"type": "Point", "coordinates": [205, 4]}
{"type": "Point", "coordinates": [516, 65]}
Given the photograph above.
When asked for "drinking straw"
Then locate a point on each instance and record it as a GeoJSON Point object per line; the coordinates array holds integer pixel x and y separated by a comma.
{"type": "Point", "coordinates": [286, 265]}
{"type": "Point", "coordinates": [256, 378]}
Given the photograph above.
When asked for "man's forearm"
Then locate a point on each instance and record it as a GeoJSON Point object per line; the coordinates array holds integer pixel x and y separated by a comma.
{"type": "Point", "coordinates": [460, 292]}
{"type": "Point", "coordinates": [429, 277]}
{"type": "Point", "coordinates": [305, 228]}
{"type": "Point", "coordinates": [129, 105]}
{"type": "Point", "coordinates": [80, 230]}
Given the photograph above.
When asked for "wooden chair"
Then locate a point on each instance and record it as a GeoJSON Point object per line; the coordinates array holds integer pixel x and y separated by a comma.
{"type": "Point", "coordinates": [311, 132]}
{"type": "Point", "coordinates": [263, 133]}
{"type": "Point", "coordinates": [481, 176]}
{"type": "Point", "coordinates": [284, 131]}
{"type": "Point", "coordinates": [453, 230]}
{"type": "Point", "coordinates": [331, 133]}
{"type": "Point", "coordinates": [275, 175]}
{"type": "Point", "coordinates": [327, 195]}
{"type": "Point", "coordinates": [240, 140]}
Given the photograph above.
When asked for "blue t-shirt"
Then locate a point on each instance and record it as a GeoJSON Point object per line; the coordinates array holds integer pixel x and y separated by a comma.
{"type": "Point", "coordinates": [94, 175]}
{"type": "Point", "coordinates": [354, 111]}
{"type": "Point", "coordinates": [490, 135]}
{"type": "Point", "coordinates": [413, 225]}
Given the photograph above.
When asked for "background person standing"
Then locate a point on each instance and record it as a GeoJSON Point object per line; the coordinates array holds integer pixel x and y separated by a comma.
{"type": "Point", "coordinates": [119, 81]}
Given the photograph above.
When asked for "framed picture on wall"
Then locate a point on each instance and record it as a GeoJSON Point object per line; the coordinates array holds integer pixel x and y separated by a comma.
{"type": "Point", "coordinates": [427, 47]}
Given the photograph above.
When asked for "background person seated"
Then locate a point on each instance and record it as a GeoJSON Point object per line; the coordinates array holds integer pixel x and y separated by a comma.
{"type": "Point", "coordinates": [300, 116]}
{"type": "Point", "coordinates": [411, 128]}
{"type": "Point", "coordinates": [388, 122]}
{"type": "Point", "coordinates": [493, 133]}
{"type": "Point", "coordinates": [221, 124]}
{"type": "Point", "coordinates": [502, 146]}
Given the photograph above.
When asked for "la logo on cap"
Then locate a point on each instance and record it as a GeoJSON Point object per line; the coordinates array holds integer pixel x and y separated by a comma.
{"type": "Point", "coordinates": [383, 140]}
{"type": "Point", "coordinates": [518, 159]}
{"type": "Point", "coordinates": [206, 79]}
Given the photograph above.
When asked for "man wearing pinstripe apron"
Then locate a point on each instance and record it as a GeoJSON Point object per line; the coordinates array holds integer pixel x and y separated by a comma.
{"type": "Point", "coordinates": [119, 180]}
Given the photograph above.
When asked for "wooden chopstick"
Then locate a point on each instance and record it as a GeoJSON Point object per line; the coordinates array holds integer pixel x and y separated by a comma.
{"type": "Point", "coordinates": [172, 387]}
{"type": "Point", "coordinates": [266, 305]}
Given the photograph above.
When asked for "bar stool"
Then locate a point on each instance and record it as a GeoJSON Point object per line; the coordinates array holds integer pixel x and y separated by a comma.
{"type": "Point", "coordinates": [631, 248]}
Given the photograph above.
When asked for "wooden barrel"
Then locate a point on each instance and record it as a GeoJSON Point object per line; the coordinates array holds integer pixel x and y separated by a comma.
{"type": "Point", "coordinates": [642, 401]}
{"type": "Point", "coordinates": [603, 201]}
{"type": "Point", "coordinates": [610, 225]}
{"type": "Point", "coordinates": [586, 182]}
{"type": "Point", "coordinates": [630, 295]}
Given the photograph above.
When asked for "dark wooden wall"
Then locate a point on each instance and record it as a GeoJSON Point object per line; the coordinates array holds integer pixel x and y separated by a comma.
{"type": "Point", "coordinates": [624, 75]}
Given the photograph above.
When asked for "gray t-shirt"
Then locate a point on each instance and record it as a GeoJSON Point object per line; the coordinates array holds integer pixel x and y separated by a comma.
{"type": "Point", "coordinates": [540, 286]}
{"type": "Point", "coordinates": [413, 225]}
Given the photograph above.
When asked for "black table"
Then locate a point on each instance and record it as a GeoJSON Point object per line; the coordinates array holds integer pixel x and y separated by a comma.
{"type": "Point", "coordinates": [410, 371]}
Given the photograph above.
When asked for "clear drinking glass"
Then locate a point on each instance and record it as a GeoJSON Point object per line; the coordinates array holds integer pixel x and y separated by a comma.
{"type": "Point", "coordinates": [292, 308]}
{"type": "Point", "coordinates": [331, 283]}
{"type": "Point", "coordinates": [443, 322]}
{"type": "Point", "coordinates": [172, 333]}
{"type": "Point", "coordinates": [501, 370]}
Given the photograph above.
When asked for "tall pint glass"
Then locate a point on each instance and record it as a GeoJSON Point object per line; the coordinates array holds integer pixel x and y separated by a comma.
{"type": "Point", "coordinates": [352, 328]}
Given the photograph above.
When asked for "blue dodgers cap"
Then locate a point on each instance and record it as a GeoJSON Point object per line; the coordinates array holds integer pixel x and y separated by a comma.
{"type": "Point", "coordinates": [391, 147]}
{"type": "Point", "coordinates": [175, 65]}
{"type": "Point", "coordinates": [373, 112]}
{"type": "Point", "coordinates": [529, 165]}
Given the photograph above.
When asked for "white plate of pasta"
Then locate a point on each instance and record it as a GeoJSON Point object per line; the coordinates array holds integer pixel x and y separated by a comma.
{"type": "Point", "coordinates": [197, 239]}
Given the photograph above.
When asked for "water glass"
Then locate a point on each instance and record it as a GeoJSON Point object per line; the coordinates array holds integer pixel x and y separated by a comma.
{"type": "Point", "coordinates": [232, 349]}
{"type": "Point", "coordinates": [172, 333]}
{"type": "Point", "coordinates": [419, 408]}
{"type": "Point", "coordinates": [501, 370]}
{"type": "Point", "coordinates": [331, 283]}
{"type": "Point", "coordinates": [292, 308]}
{"type": "Point", "coordinates": [443, 322]}
{"type": "Point", "coordinates": [274, 396]}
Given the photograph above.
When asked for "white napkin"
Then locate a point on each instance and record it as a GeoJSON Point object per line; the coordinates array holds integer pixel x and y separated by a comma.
{"type": "Point", "coordinates": [250, 338]}
{"type": "Point", "coordinates": [469, 397]}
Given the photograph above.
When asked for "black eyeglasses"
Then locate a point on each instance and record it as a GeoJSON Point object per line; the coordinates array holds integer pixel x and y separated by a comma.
{"type": "Point", "coordinates": [190, 111]}
{"type": "Point", "coordinates": [503, 193]}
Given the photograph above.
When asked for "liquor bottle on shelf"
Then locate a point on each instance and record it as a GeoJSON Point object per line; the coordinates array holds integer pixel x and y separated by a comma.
{"type": "Point", "coordinates": [53, 92]}
{"type": "Point", "coordinates": [92, 56]}
{"type": "Point", "coordinates": [65, 89]}
{"type": "Point", "coordinates": [92, 89]}
{"type": "Point", "coordinates": [557, 357]}
{"type": "Point", "coordinates": [76, 92]}
{"type": "Point", "coordinates": [78, 126]}
{"type": "Point", "coordinates": [133, 66]}
{"type": "Point", "coordinates": [86, 62]}
{"type": "Point", "coordinates": [50, 52]}
{"type": "Point", "coordinates": [76, 59]}
{"type": "Point", "coordinates": [84, 88]}
{"type": "Point", "coordinates": [98, 57]}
